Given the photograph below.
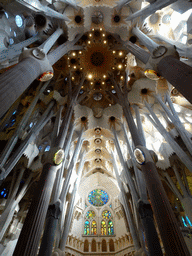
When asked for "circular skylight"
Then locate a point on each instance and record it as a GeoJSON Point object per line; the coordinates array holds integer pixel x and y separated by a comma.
{"type": "Point", "coordinates": [18, 21]}
{"type": "Point", "coordinates": [98, 197]}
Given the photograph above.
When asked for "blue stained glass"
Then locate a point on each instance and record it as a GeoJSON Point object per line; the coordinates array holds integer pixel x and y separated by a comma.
{"type": "Point", "coordinates": [184, 222]}
{"type": "Point", "coordinates": [188, 221]}
{"type": "Point", "coordinates": [98, 197]}
{"type": "Point", "coordinates": [47, 148]}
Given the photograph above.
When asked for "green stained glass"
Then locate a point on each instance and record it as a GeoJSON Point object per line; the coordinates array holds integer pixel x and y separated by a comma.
{"type": "Point", "coordinates": [106, 215]}
{"type": "Point", "coordinates": [110, 228]}
{"type": "Point", "coordinates": [90, 214]}
{"type": "Point", "coordinates": [86, 228]}
{"type": "Point", "coordinates": [98, 197]}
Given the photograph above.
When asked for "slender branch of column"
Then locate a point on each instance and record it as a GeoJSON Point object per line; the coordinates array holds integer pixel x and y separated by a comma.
{"type": "Point", "coordinates": [125, 168]}
{"type": "Point", "coordinates": [71, 166]}
{"type": "Point", "coordinates": [139, 124]}
{"type": "Point", "coordinates": [157, 124]}
{"type": "Point", "coordinates": [183, 189]}
{"type": "Point", "coordinates": [56, 127]}
{"type": "Point", "coordinates": [141, 185]}
{"type": "Point", "coordinates": [60, 51]}
{"type": "Point", "coordinates": [46, 46]}
{"type": "Point", "coordinates": [8, 213]}
{"type": "Point", "coordinates": [12, 142]}
{"type": "Point", "coordinates": [65, 124]}
{"type": "Point", "coordinates": [127, 208]}
{"type": "Point", "coordinates": [71, 207]}
{"type": "Point", "coordinates": [177, 123]}
{"type": "Point", "coordinates": [128, 116]}
{"type": "Point", "coordinates": [178, 74]}
{"type": "Point", "coordinates": [16, 49]}
{"type": "Point", "coordinates": [9, 113]}
{"type": "Point", "coordinates": [185, 181]}
{"type": "Point", "coordinates": [173, 186]}
{"type": "Point", "coordinates": [31, 136]}
{"type": "Point", "coordinates": [150, 9]}
{"type": "Point", "coordinates": [59, 178]}
{"type": "Point", "coordinates": [145, 40]}
{"type": "Point", "coordinates": [122, 3]}
{"type": "Point", "coordinates": [16, 187]}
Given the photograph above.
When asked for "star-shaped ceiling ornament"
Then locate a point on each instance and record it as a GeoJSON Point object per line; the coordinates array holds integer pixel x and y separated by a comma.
{"type": "Point", "coordinates": [76, 18]}
{"type": "Point", "coordinates": [118, 19]}
{"type": "Point", "coordinates": [88, 3]}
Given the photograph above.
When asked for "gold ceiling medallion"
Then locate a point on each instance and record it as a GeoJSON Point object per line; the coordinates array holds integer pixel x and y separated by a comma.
{"type": "Point", "coordinates": [97, 59]}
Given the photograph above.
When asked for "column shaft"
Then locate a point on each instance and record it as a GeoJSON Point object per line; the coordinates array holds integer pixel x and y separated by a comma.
{"type": "Point", "coordinates": [31, 232]}
{"type": "Point", "coordinates": [16, 80]}
{"type": "Point", "coordinates": [178, 74]}
{"type": "Point", "coordinates": [171, 236]}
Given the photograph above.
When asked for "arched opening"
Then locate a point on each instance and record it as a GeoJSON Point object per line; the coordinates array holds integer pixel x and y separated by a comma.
{"type": "Point", "coordinates": [104, 246]}
{"type": "Point", "coordinates": [93, 246]}
{"type": "Point", "coordinates": [111, 246]}
{"type": "Point", "coordinates": [110, 228]}
{"type": "Point", "coordinates": [94, 228]}
{"type": "Point", "coordinates": [86, 246]}
{"type": "Point", "coordinates": [86, 228]}
{"type": "Point", "coordinates": [103, 228]}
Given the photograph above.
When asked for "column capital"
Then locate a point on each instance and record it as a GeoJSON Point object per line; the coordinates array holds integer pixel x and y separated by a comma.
{"type": "Point", "coordinates": [40, 56]}
{"type": "Point", "coordinates": [160, 52]}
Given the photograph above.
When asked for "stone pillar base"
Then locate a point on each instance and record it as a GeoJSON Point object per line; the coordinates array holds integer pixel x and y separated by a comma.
{"type": "Point", "coordinates": [140, 252]}
{"type": "Point", "coordinates": [58, 252]}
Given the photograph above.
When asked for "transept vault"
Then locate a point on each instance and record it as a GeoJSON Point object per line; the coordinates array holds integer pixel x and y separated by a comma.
{"type": "Point", "coordinates": [95, 127]}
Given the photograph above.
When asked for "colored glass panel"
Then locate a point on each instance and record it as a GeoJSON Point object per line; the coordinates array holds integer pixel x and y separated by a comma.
{"type": "Point", "coordinates": [110, 228]}
{"type": "Point", "coordinates": [103, 228]}
{"type": "Point", "coordinates": [106, 215]}
{"type": "Point", "coordinates": [90, 214]}
{"type": "Point", "coordinates": [86, 228]}
{"type": "Point", "coordinates": [98, 197]}
{"type": "Point", "coordinates": [94, 228]}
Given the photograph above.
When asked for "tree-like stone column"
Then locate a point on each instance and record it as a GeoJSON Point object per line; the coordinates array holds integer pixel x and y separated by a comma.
{"type": "Point", "coordinates": [31, 232]}
{"type": "Point", "coordinates": [178, 74]}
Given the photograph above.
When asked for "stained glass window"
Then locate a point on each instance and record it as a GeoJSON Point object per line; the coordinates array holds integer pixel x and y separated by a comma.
{"type": "Point", "coordinates": [94, 228]}
{"type": "Point", "coordinates": [86, 228]}
{"type": "Point", "coordinates": [106, 215]}
{"type": "Point", "coordinates": [103, 228]}
{"type": "Point", "coordinates": [110, 228]}
{"type": "Point", "coordinates": [98, 197]}
{"type": "Point", "coordinates": [90, 214]}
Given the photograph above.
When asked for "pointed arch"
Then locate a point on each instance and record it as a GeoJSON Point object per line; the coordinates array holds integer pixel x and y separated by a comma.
{"type": "Point", "coordinates": [111, 245]}
{"type": "Point", "coordinates": [86, 228]}
{"type": "Point", "coordinates": [103, 228]}
{"type": "Point", "coordinates": [94, 228]}
{"type": "Point", "coordinates": [93, 246]}
{"type": "Point", "coordinates": [110, 228]}
{"type": "Point", "coordinates": [86, 246]}
{"type": "Point", "coordinates": [104, 246]}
